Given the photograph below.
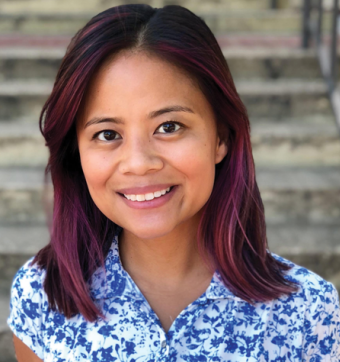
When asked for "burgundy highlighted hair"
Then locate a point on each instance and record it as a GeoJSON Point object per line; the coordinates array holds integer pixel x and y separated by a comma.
{"type": "Point", "coordinates": [232, 228]}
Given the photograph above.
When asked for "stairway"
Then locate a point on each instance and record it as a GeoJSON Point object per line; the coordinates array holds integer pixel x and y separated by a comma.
{"type": "Point", "coordinates": [296, 144]}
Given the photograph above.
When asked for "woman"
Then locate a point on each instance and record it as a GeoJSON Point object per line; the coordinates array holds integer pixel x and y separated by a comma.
{"type": "Point", "coordinates": [158, 247]}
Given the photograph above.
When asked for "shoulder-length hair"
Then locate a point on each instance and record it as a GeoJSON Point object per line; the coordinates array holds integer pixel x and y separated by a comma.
{"type": "Point", "coordinates": [232, 230]}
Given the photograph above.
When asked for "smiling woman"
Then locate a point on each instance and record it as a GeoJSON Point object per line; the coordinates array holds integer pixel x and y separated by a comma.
{"type": "Point", "coordinates": [142, 150]}
{"type": "Point", "coordinates": [158, 247]}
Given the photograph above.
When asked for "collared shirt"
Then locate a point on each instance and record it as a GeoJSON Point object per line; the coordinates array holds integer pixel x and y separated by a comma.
{"type": "Point", "coordinates": [218, 326]}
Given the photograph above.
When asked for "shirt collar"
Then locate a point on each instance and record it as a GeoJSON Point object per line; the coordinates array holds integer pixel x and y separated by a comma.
{"type": "Point", "coordinates": [217, 289]}
{"type": "Point", "coordinates": [118, 283]}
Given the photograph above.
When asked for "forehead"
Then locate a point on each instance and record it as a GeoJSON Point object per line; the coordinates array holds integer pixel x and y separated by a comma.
{"type": "Point", "coordinates": [142, 64]}
{"type": "Point", "coordinates": [140, 82]}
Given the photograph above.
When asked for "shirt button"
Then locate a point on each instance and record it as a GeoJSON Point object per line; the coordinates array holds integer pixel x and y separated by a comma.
{"type": "Point", "coordinates": [163, 344]}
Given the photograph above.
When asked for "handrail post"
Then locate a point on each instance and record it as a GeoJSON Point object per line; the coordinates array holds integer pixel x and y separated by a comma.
{"type": "Point", "coordinates": [306, 24]}
{"type": "Point", "coordinates": [273, 4]}
{"type": "Point", "coordinates": [327, 54]}
{"type": "Point", "coordinates": [319, 23]}
{"type": "Point", "coordinates": [334, 41]}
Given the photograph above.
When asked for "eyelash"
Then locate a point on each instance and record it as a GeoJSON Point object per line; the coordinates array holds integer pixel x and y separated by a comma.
{"type": "Point", "coordinates": [173, 122]}
{"type": "Point", "coordinates": [107, 130]}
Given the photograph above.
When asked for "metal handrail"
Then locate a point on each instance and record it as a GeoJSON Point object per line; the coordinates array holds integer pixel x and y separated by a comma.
{"type": "Point", "coordinates": [327, 55]}
{"type": "Point", "coordinates": [273, 4]}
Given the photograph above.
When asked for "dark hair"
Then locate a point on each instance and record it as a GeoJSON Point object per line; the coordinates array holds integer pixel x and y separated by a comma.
{"type": "Point", "coordinates": [232, 229]}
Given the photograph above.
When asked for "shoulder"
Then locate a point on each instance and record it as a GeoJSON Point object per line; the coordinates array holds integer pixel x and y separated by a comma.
{"type": "Point", "coordinates": [315, 309]}
{"type": "Point", "coordinates": [28, 305]}
{"type": "Point", "coordinates": [27, 292]}
{"type": "Point", "coordinates": [312, 287]}
{"type": "Point", "coordinates": [28, 281]}
{"type": "Point", "coordinates": [317, 304]}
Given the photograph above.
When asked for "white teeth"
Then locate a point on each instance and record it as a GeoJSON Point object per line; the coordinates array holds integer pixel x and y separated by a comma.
{"type": "Point", "coordinates": [140, 197]}
{"type": "Point", "coordinates": [149, 196]}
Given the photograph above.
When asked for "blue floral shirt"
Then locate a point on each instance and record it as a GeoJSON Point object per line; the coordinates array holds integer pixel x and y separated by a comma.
{"type": "Point", "coordinates": [218, 326]}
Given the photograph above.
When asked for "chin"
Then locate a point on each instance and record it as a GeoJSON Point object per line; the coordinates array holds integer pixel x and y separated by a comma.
{"type": "Point", "coordinates": [149, 231]}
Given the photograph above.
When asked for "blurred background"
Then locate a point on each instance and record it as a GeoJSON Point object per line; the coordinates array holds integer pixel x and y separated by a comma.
{"type": "Point", "coordinates": [283, 73]}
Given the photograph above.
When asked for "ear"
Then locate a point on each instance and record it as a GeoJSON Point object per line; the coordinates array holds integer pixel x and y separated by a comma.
{"type": "Point", "coordinates": [221, 150]}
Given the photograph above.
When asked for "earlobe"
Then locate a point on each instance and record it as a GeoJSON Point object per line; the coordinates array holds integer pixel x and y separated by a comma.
{"type": "Point", "coordinates": [221, 151]}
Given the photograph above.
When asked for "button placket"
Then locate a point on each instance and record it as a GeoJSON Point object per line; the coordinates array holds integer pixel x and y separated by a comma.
{"type": "Point", "coordinates": [164, 343]}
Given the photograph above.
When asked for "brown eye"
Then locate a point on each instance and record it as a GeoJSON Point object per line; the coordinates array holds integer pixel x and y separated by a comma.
{"type": "Point", "coordinates": [169, 127]}
{"type": "Point", "coordinates": [107, 135]}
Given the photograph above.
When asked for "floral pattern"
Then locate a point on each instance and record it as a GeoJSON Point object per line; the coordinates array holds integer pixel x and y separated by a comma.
{"type": "Point", "coordinates": [218, 326]}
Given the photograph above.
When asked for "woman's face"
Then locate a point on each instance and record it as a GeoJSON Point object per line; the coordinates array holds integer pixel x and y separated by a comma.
{"type": "Point", "coordinates": [144, 127]}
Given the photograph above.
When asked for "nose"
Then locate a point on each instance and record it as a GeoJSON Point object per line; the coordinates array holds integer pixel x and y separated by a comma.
{"type": "Point", "coordinates": [138, 156]}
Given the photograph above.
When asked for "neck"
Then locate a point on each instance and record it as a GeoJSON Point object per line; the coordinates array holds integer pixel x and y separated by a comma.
{"type": "Point", "coordinates": [166, 262]}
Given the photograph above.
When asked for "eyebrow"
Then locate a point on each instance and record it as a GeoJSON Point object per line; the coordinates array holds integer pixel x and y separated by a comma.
{"type": "Point", "coordinates": [152, 114]}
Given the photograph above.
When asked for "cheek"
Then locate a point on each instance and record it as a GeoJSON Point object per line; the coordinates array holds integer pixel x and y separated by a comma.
{"type": "Point", "coordinates": [97, 170]}
{"type": "Point", "coordinates": [197, 162]}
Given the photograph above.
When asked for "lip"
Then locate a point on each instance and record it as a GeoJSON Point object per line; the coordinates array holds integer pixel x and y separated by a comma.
{"type": "Point", "coordinates": [156, 202]}
{"type": "Point", "coordinates": [144, 190]}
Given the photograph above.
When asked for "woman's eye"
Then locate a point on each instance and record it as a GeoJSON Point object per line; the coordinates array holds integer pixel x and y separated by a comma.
{"type": "Point", "coordinates": [169, 127]}
{"type": "Point", "coordinates": [106, 135]}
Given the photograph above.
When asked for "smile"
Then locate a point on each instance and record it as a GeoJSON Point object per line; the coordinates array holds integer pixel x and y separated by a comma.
{"type": "Point", "coordinates": [148, 196]}
{"type": "Point", "coordinates": [149, 200]}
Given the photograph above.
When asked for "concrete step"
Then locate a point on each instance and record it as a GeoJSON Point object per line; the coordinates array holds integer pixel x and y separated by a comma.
{"type": "Point", "coordinates": [6, 346]}
{"type": "Point", "coordinates": [316, 247]}
{"type": "Point", "coordinates": [289, 239]}
{"type": "Point", "coordinates": [309, 195]}
{"type": "Point", "coordinates": [21, 196]}
{"type": "Point", "coordinates": [4, 310]}
{"type": "Point", "coordinates": [21, 99]}
{"type": "Point", "coordinates": [282, 98]}
{"type": "Point", "coordinates": [295, 143]}
{"type": "Point", "coordinates": [64, 6]}
{"type": "Point", "coordinates": [258, 21]}
{"type": "Point", "coordinates": [21, 144]}
{"type": "Point", "coordinates": [310, 245]}
{"type": "Point", "coordinates": [17, 244]}
{"type": "Point", "coordinates": [6, 343]}
{"type": "Point", "coordinates": [300, 195]}
{"type": "Point", "coordinates": [268, 63]}
{"type": "Point", "coordinates": [11, 262]}
{"type": "Point", "coordinates": [285, 238]}
{"type": "Point", "coordinates": [300, 142]}
{"type": "Point", "coordinates": [262, 63]}
{"type": "Point", "coordinates": [22, 240]}
{"type": "Point", "coordinates": [249, 40]}
{"type": "Point", "coordinates": [30, 62]}
{"type": "Point", "coordinates": [324, 264]}
{"type": "Point", "coordinates": [219, 19]}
